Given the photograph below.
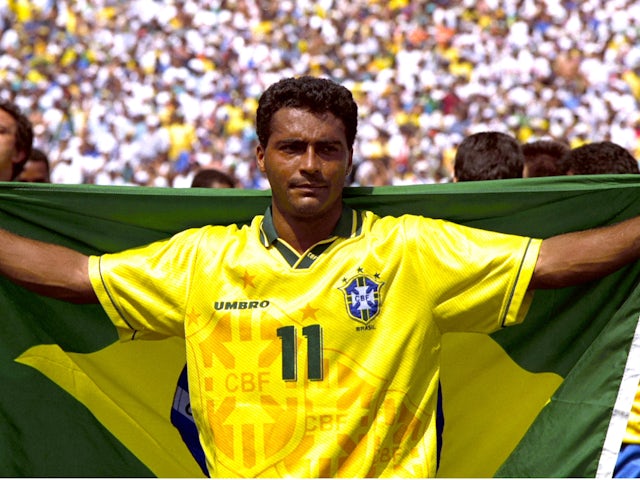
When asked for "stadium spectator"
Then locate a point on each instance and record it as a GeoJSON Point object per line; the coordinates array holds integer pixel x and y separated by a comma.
{"type": "Point", "coordinates": [434, 70]}
{"type": "Point", "coordinates": [182, 136]}
{"type": "Point", "coordinates": [372, 173]}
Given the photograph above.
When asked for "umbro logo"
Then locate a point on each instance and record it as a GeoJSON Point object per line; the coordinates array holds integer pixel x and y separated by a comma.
{"type": "Point", "coordinates": [241, 305]}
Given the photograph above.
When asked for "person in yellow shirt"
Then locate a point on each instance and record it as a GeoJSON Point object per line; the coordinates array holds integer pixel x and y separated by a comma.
{"type": "Point", "coordinates": [182, 137]}
{"type": "Point", "coordinates": [313, 334]}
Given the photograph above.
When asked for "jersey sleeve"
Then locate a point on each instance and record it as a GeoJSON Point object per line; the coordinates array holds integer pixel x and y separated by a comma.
{"type": "Point", "coordinates": [483, 276]}
{"type": "Point", "coordinates": [144, 290]}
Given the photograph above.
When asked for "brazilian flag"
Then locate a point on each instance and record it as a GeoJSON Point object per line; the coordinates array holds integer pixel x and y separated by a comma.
{"type": "Point", "coordinates": [548, 398]}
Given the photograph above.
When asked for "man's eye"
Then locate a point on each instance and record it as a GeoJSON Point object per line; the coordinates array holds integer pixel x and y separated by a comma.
{"type": "Point", "coordinates": [293, 147]}
{"type": "Point", "coordinates": [328, 148]}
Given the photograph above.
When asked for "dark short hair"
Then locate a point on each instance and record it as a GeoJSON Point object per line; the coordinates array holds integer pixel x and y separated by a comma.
{"type": "Point", "coordinates": [316, 95]}
{"type": "Point", "coordinates": [542, 157]}
{"type": "Point", "coordinates": [488, 156]}
{"type": "Point", "coordinates": [205, 177]}
{"type": "Point", "coordinates": [24, 133]}
{"type": "Point", "coordinates": [39, 156]}
{"type": "Point", "coordinates": [599, 158]}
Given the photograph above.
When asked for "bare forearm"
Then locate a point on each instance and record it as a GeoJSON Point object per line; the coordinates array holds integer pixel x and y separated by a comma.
{"type": "Point", "coordinates": [44, 268]}
{"type": "Point", "coordinates": [578, 257]}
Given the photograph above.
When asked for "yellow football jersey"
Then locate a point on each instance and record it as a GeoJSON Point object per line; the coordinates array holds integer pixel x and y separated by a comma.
{"type": "Point", "coordinates": [326, 363]}
{"type": "Point", "coordinates": [632, 433]}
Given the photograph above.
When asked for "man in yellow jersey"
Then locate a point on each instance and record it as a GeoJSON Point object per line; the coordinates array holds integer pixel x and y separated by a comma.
{"type": "Point", "coordinates": [313, 334]}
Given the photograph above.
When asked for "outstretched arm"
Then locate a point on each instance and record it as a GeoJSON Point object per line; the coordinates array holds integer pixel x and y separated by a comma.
{"type": "Point", "coordinates": [45, 268]}
{"type": "Point", "coordinates": [578, 257]}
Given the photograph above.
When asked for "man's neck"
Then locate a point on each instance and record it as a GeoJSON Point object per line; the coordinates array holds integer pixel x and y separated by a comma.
{"type": "Point", "coordinates": [303, 233]}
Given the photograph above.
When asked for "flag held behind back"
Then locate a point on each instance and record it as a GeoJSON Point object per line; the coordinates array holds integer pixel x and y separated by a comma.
{"type": "Point", "coordinates": [531, 400]}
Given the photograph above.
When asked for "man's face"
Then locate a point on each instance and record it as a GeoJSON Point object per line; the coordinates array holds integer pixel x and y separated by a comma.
{"type": "Point", "coordinates": [8, 152]}
{"type": "Point", "coordinates": [306, 162]}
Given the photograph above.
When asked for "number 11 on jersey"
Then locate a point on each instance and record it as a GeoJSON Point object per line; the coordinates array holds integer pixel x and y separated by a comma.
{"type": "Point", "coordinates": [288, 335]}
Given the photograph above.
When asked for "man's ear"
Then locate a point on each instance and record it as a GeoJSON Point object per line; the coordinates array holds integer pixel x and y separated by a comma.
{"type": "Point", "coordinates": [260, 158]}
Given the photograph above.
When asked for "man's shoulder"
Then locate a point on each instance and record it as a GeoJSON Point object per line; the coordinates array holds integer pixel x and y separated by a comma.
{"type": "Point", "coordinates": [392, 219]}
{"type": "Point", "coordinates": [230, 230]}
{"type": "Point", "coordinates": [381, 222]}
{"type": "Point", "coordinates": [239, 228]}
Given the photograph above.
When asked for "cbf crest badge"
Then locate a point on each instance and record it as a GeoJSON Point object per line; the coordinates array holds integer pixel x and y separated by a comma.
{"type": "Point", "coordinates": [362, 297]}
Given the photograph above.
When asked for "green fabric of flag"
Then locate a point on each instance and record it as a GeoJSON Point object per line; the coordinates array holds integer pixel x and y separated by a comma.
{"type": "Point", "coordinates": [69, 400]}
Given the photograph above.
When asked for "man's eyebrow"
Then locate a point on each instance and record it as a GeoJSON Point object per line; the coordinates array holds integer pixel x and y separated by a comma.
{"type": "Point", "coordinates": [290, 141]}
{"type": "Point", "coordinates": [304, 141]}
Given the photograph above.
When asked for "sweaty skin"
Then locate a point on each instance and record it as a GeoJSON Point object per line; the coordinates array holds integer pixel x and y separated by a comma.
{"type": "Point", "coordinates": [306, 162]}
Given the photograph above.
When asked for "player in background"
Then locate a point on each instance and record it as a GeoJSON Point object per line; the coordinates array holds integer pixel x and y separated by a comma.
{"type": "Point", "coordinates": [37, 168]}
{"type": "Point", "coordinates": [16, 140]}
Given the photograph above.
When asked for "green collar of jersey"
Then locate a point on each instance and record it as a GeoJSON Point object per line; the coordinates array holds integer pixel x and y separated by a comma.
{"type": "Point", "coordinates": [349, 225]}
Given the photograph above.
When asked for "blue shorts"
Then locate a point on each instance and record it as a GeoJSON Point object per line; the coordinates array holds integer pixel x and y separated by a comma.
{"type": "Point", "coordinates": [628, 462]}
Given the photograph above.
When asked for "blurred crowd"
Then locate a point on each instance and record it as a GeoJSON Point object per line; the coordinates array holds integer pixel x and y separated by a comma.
{"type": "Point", "coordinates": [147, 92]}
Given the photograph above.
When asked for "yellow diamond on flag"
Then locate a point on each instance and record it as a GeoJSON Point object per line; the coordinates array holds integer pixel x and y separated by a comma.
{"type": "Point", "coordinates": [129, 387]}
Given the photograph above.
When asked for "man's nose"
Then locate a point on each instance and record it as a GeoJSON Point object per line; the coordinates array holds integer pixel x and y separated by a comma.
{"type": "Point", "coordinates": [310, 160]}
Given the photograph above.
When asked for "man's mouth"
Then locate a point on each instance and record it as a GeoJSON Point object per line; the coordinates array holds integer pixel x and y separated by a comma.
{"type": "Point", "coordinates": [308, 186]}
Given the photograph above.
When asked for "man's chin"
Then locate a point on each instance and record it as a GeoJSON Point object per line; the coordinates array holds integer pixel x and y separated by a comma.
{"type": "Point", "coordinates": [308, 211]}
{"type": "Point", "coordinates": [309, 207]}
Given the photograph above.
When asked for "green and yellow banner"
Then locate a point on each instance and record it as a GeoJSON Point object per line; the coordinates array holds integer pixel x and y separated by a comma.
{"type": "Point", "coordinates": [547, 398]}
